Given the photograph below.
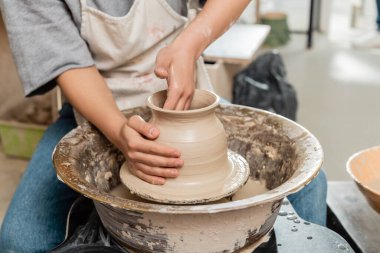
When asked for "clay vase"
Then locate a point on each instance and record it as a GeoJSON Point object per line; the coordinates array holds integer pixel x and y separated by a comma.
{"type": "Point", "coordinates": [210, 171]}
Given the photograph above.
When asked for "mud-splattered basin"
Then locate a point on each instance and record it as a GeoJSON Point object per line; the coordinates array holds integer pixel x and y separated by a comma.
{"type": "Point", "coordinates": [282, 155]}
{"type": "Point", "coordinates": [364, 168]}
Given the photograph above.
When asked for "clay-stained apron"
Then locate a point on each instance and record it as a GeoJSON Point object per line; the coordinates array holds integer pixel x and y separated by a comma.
{"type": "Point", "coordinates": [125, 48]}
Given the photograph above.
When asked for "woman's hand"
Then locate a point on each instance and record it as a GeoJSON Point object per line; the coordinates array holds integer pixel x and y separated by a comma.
{"type": "Point", "coordinates": [147, 159]}
{"type": "Point", "coordinates": [177, 66]}
{"type": "Point", "coordinates": [176, 62]}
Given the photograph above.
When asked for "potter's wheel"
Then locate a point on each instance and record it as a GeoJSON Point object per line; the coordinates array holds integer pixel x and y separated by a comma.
{"type": "Point", "coordinates": [280, 153]}
{"type": "Point", "coordinates": [83, 222]}
{"type": "Point", "coordinates": [191, 192]}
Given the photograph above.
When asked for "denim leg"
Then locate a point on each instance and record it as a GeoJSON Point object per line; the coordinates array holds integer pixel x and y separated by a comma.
{"type": "Point", "coordinates": [36, 217]}
{"type": "Point", "coordinates": [310, 202]}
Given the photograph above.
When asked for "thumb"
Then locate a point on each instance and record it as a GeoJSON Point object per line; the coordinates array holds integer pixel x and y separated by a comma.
{"type": "Point", "coordinates": [161, 72]}
{"type": "Point", "coordinates": [142, 127]}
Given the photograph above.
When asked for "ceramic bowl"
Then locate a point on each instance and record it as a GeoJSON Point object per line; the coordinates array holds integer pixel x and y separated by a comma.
{"type": "Point", "coordinates": [364, 168]}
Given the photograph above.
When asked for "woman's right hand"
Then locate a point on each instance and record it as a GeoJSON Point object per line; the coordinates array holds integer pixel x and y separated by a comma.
{"type": "Point", "coordinates": [147, 159]}
{"type": "Point", "coordinates": [87, 91]}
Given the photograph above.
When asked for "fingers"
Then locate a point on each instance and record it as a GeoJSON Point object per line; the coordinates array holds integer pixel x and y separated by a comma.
{"type": "Point", "coordinates": [162, 64]}
{"type": "Point", "coordinates": [148, 160]}
{"type": "Point", "coordinates": [172, 98]}
{"type": "Point", "coordinates": [150, 179]}
{"type": "Point", "coordinates": [180, 93]}
{"type": "Point", "coordinates": [154, 160]}
{"type": "Point", "coordinates": [155, 148]}
{"type": "Point", "coordinates": [157, 171]}
{"type": "Point", "coordinates": [142, 127]}
{"type": "Point", "coordinates": [135, 143]}
{"type": "Point", "coordinates": [188, 104]}
{"type": "Point", "coordinates": [153, 175]}
{"type": "Point", "coordinates": [178, 100]}
{"type": "Point", "coordinates": [177, 67]}
{"type": "Point", "coordinates": [161, 72]}
{"type": "Point", "coordinates": [153, 154]}
{"type": "Point", "coordinates": [181, 104]}
{"type": "Point", "coordinates": [153, 169]}
{"type": "Point", "coordinates": [147, 178]}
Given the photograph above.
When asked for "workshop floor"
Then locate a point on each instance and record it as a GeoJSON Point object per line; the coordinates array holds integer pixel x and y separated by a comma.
{"type": "Point", "coordinates": [339, 97]}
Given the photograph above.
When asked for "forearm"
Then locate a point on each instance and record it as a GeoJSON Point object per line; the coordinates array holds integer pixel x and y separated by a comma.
{"type": "Point", "coordinates": [214, 19]}
{"type": "Point", "coordinates": [88, 93]}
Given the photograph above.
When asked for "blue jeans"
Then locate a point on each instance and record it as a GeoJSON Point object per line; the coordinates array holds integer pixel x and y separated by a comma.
{"type": "Point", "coordinates": [36, 218]}
{"type": "Point", "coordinates": [310, 202]}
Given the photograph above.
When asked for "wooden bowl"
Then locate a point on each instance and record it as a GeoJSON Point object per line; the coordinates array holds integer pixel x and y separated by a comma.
{"type": "Point", "coordinates": [364, 168]}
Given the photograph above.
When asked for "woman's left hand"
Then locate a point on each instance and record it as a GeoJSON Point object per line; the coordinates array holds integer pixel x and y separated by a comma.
{"type": "Point", "coordinates": [177, 66]}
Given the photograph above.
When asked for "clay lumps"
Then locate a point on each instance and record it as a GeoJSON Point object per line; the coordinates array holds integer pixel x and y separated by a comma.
{"type": "Point", "coordinates": [209, 172]}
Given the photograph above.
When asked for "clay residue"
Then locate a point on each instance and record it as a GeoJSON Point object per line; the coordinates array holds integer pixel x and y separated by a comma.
{"type": "Point", "coordinates": [218, 232]}
{"type": "Point", "coordinates": [133, 229]}
{"type": "Point", "coordinates": [270, 153]}
{"type": "Point", "coordinates": [96, 160]}
{"type": "Point", "coordinates": [258, 137]}
{"type": "Point", "coordinates": [36, 110]}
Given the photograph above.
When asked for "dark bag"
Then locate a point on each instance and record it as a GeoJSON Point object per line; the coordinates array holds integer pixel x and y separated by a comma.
{"type": "Point", "coordinates": [263, 85]}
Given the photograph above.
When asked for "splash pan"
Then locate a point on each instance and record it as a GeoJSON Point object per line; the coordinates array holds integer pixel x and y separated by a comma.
{"type": "Point", "coordinates": [282, 155]}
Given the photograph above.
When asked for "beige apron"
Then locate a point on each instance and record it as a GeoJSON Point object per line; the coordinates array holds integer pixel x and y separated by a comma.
{"type": "Point", "coordinates": [125, 48]}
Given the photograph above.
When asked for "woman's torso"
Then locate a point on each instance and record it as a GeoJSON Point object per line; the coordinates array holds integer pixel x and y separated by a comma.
{"type": "Point", "coordinates": [124, 43]}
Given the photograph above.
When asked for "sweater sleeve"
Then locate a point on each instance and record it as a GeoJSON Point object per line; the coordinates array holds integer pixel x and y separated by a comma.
{"type": "Point", "coordinates": [44, 40]}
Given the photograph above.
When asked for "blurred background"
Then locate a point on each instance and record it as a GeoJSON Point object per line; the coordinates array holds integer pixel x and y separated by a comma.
{"type": "Point", "coordinates": [337, 84]}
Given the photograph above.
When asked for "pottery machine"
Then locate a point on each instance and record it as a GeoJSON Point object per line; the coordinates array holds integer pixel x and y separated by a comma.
{"type": "Point", "coordinates": [280, 153]}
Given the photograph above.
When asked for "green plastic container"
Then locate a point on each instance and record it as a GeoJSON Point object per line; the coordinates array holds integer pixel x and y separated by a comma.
{"type": "Point", "coordinates": [20, 139]}
{"type": "Point", "coordinates": [279, 33]}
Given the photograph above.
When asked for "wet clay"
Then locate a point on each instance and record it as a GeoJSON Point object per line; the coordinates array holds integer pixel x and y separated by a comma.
{"type": "Point", "coordinates": [262, 142]}
{"type": "Point", "coordinates": [251, 188]}
{"type": "Point", "coordinates": [209, 172]}
{"type": "Point", "coordinates": [271, 154]}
